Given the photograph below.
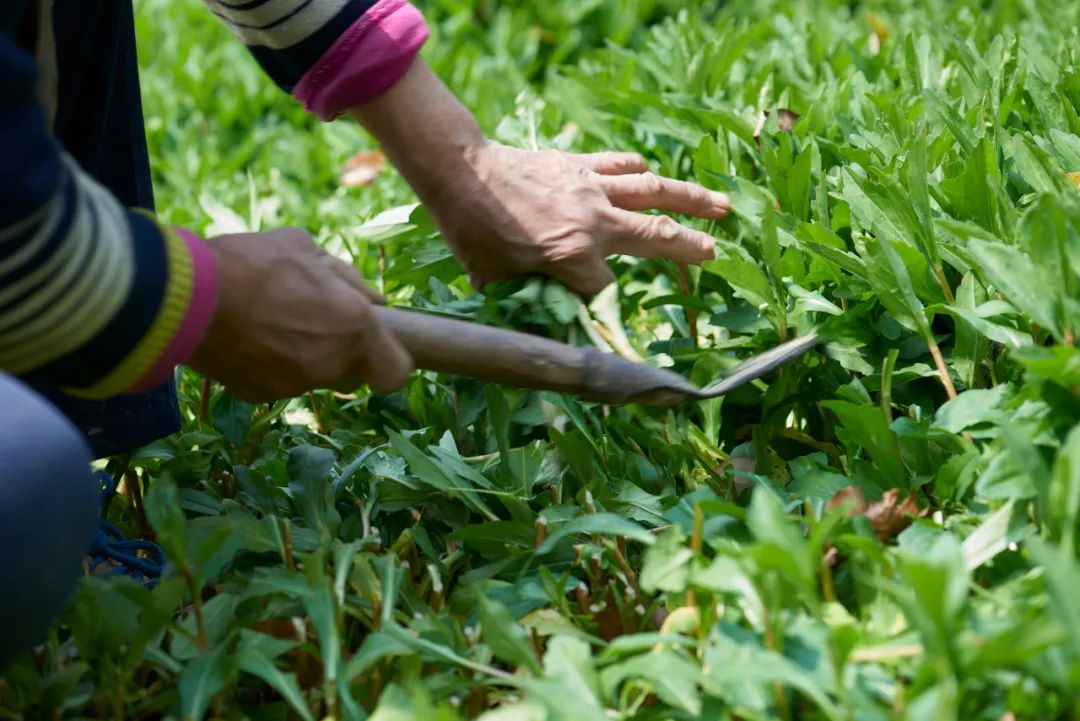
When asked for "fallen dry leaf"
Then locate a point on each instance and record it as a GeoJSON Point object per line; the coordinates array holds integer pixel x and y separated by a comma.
{"type": "Point", "coordinates": [852, 494]}
{"type": "Point", "coordinates": [889, 516]}
{"type": "Point", "coordinates": [785, 120]}
{"type": "Point", "coordinates": [362, 168]}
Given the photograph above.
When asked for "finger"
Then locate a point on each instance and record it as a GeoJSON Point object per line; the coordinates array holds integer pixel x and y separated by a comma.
{"type": "Point", "coordinates": [657, 236]}
{"type": "Point", "coordinates": [647, 191]}
{"type": "Point", "coordinates": [380, 359]}
{"type": "Point", "coordinates": [586, 277]}
{"type": "Point", "coordinates": [612, 163]}
{"type": "Point", "coordinates": [352, 276]}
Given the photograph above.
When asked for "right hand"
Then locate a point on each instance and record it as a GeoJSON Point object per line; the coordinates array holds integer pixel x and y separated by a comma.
{"type": "Point", "coordinates": [290, 319]}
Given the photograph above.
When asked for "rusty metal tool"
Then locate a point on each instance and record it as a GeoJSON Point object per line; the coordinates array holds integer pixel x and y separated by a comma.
{"type": "Point", "coordinates": [457, 347]}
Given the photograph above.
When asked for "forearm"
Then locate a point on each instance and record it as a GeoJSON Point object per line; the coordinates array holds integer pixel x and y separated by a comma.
{"type": "Point", "coordinates": [423, 129]}
{"type": "Point", "coordinates": [94, 298]}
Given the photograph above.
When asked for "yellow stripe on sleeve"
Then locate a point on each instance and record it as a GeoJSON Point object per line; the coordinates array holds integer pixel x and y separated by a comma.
{"type": "Point", "coordinates": [174, 306]}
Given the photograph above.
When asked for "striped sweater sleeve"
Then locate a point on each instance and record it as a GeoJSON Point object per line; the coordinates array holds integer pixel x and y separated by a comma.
{"type": "Point", "coordinates": [331, 55]}
{"type": "Point", "coordinates": [95, 298]}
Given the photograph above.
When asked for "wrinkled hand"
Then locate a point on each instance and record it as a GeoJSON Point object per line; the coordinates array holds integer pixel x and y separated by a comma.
{"type": "Point", "coordinates": [507, 212]}
{"type": "Point", "coordinates": [291, 318]}
{"type": "Point", "coordinates": [513, 211]}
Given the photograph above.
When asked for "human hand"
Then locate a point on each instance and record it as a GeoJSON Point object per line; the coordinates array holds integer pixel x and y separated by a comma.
{"type": "Point", "coordinates": [290, 319]}
{"type": "Point", "coordinates": [516, 211]}
{"type": "Point", "coordinates": [506, 211]}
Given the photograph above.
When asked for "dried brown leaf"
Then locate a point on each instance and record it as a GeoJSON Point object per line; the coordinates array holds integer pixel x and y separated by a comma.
{"type": "Point", "coordinates": [362, 168]}
{"type": "Point", "coordinates": [888, 517]}
{"type": "Point", "coordinates": [785, 120]}
{"type": "Point", "coordinates": [849, 494]}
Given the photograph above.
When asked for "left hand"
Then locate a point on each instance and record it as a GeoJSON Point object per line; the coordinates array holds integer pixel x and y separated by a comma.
{"type": "Point", "coordinates": [514, 211]}
{"type": "Point", "coordinates": [506, 212]}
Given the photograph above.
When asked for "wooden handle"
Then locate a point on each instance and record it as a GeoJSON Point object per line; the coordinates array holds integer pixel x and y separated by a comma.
{"type": "Point", "coordinates": [458, 347]}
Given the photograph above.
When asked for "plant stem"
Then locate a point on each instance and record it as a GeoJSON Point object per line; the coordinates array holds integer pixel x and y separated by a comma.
{"type": "Point", "coordinates": [540, 533]}
{"type": "Point", "coordinates": [624, 566]}
{"type": "Point", "coordinates": [828, 589]}
{"type": "Point", "coordinates": [939, 273]}
{"type": "Point", "coordinates": [770, 643]}
{"type": "Point", "coordinates": [691, 313]}
{"type": "Point", "coordinates": [581, 595]}
{"type": "Point", "coordinates": [196, 602]}
{"type": "Point", "coordinates": [315, 412]}
{"type": "Point", "coordinates": [286, 544]}
{"type": "Point", "coordinates": [887, 367]}
{"type": "Point", "coordinates": [943, 370]}
{"type": "Point", "coordinates": [697, 533]}
{"type": "Point", "coordinates": [204, 401]}
{"type": "Point", "coordinates": [131, 481]}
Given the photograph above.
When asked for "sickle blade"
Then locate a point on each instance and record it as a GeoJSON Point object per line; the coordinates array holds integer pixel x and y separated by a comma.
{"type": "Point", "coordinates": [757, 366]}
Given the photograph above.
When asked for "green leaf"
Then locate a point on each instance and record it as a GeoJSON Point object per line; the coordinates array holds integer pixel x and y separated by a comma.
{"type": "Point", "coordinates": [735, 265]}
{"type": "Point", "coordinates": [889, 276]}
{"type": "Point", "coordinates": [310, 470]}
{"type": "Point", "coordinates": [507, 640]}
{"type": "Point", "coordinates": [665, 566]}
{"type": "Point", "coordinates": [1014, 273]}
{"type": "Point", "coordinates": [1064, 500]}
{"type": "Point", "coordinates": [251, 662]}
{"type": "Point", "coordinates": [781, 545]}
{"type": "Point", "coordinates": [560, 302]}
{"type": "Point", "coordinates": [608, 524]}
{"type": "Point", "coordinates": [569, 673]}
{"type": "Point", "coordinates": [732, 667]}
{"type": "Point", "coordinates": [972, 409]}
{"type": "Point", "coordinates": [885, 209]}
{"type": "Point", "coordinates": [200, 681]}
{"type": "Point", "coordinates": [165, 515]}
{"type": "Point", "coordinates": [520, 711]}
{"type": "Point", "coordinates": [232, 418]}
{"type": "Point", "coordinates": [918, 193]}
{"type": "Point", "coordinates": [376, 646]}
{"type": "Point", "coordinates": [990, 538]}
{"type": "Point", "coordinates": [1062, 574]}
{"type": "Point", "coordinates": [436, 475]}
{"type": "Point", "coordinates": [864, 427]}
{"type": "Point", "coordinates": [673, 678]}
{"type": "Point", "coordinates": [323, 612]}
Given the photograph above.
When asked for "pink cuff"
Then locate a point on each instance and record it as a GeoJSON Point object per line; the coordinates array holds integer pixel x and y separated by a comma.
{"type": "Point", "coordinates": [366, 61]}
{"type": "Point", "coordinates": [204, 297]}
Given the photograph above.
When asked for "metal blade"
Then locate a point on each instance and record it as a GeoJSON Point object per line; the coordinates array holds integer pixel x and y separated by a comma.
{"type": "Point", "coordinates": [757, 366]}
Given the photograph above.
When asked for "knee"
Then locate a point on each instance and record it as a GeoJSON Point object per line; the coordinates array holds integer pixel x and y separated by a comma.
{"type": "Point", "coordinates": [48, 509]}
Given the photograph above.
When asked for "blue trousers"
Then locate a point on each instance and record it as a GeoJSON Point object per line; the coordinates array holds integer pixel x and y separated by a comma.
{"type": "Point", "coordinates": [48, 510]}
{"type": "Point", "coordinates": [48, 496]}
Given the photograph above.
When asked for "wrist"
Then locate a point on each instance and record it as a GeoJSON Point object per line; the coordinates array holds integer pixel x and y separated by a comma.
{"type": "Point", "coordinates": [197, 317]}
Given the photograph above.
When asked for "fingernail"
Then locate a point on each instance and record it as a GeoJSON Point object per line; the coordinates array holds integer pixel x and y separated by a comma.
{"type": "Point", "coordinates": [721, 201]}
